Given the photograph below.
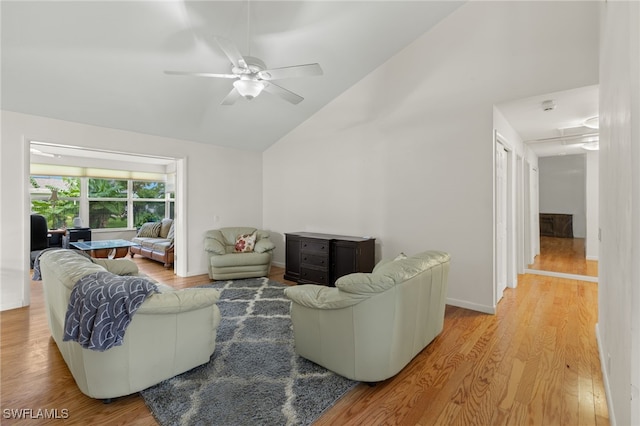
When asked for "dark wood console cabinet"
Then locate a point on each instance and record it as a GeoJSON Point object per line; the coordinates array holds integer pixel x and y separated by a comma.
{"type": "Point", "coordinates": [323, 258]}
{"type": "Point", "coordinates": [556, 225]}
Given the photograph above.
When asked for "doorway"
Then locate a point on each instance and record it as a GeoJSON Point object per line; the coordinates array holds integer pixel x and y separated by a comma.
{"type": "Point", "coordinates": [501, 220]}
{"type": "Point", "coordinates": [565, 196]}
{"type": "Point", "coordinates": [74, 159]}
{"type": "Point", "coordinates": [554, 125]}
{"type": "Point", "coordinates": [505, 231]}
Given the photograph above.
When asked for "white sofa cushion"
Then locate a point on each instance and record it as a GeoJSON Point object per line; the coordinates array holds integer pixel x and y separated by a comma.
{"type": "Point", "coordinates": [363, 283]}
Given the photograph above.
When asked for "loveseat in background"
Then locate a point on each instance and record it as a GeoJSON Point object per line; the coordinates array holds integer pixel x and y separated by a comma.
{"type": "Point", "coordinates": [155, 240]}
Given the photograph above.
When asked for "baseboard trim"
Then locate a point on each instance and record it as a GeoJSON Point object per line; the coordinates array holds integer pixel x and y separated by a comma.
{"type": "Point", "coordinates": [605, 377]}
{"type": "Point", "coordinates": [562, 275]}
{"type": "Point", "coordinates": [13, 304]}
{"type": "Point", "coordinates": [473, 306]}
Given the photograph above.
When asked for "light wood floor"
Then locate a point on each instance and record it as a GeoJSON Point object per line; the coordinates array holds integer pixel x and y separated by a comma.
{"type": "Point", "coordinates": [566, 255]}
{"type": "Point", "coordinates": [535, 362]}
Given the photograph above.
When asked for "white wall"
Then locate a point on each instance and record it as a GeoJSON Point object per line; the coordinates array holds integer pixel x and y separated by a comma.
{"type": "Point", "coordinates": [215, 188]}
{"type": "Point", "coordinates": [618, 327]}
{"type": "Point", "coordinates": [592, 243]}
{"type": "Point", "coordinates": [562, 189]}
{"type": "Point", "coordinates": [406, 154]}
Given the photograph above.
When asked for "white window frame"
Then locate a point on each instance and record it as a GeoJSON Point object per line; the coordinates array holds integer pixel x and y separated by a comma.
{"type": "Point", "coordinates": [84, 199]}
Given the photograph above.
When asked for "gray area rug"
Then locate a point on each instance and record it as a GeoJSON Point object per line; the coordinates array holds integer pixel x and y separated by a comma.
{"type": "Point", "coordinates": [254, 377]}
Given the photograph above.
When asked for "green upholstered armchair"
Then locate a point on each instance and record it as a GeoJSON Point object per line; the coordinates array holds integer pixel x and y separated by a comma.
{"type": "Point", "coordinates": [226, 259]}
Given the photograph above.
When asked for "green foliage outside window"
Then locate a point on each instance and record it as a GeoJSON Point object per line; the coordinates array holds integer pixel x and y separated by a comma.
{"type": "Point", "coordinates": [59, 203]}
{"type": "Point", "coordinates": [58, 200]}
{"type": "Point", "coordinates": [107, 213]}
{"type": "Point", "coordinates": [145, 211]}
{"type": "Point", "coordinates": [148, 211]}
{"type": "Point", "coordinates": [107, 188]}
{"type": "Point", "coordinates": [143, 189]}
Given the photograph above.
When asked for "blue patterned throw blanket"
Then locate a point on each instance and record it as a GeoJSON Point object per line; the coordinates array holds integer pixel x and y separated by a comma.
{"type": "Point", "coordinates": [101, 307]}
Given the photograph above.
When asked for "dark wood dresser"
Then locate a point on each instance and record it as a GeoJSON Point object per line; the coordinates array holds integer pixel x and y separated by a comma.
{"type": "Point", "coordinates": [323, 258]}
{"type": "Point", "coordinates": [556, 225]}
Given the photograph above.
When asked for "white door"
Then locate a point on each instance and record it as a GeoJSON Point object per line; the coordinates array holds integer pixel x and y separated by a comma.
{"type": "Point", "coordinates": [520, 239]}
{"type": "Point", "coordinates": [501, 221]}
{"type": "Point", "coordinates": [535, 215]}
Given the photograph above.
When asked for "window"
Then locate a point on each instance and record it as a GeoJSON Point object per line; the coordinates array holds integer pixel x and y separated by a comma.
{"type": "Point", "coordinates": [57, 198]}
{"type": "Point", "coordinates": [107, 209]}
{"type": "Point", "coordinates": [148, 202]}
{"type": "Point", "coordinates": [105, 203]}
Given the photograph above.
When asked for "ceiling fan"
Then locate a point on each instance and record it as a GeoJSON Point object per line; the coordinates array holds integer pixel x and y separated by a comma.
{"type": "Point", "coordinates": [252, 76]}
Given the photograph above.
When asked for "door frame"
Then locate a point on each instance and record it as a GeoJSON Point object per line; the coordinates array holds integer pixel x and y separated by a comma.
{"type": "Point", "coordinates": [180, 264]}
{"type": "Point", "coordinates": [511, 218]}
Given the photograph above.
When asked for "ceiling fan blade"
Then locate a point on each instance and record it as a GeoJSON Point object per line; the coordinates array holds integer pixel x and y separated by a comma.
{"type": "Point", "coordinates": [285, 94]}
{"type": "Point", "coordinates": [231, 98]}
{"type": "Point", "coordinates": [231, 51]}
{"type": "Point", "coordinates": [201, 74]}
{"type": "Point", "coordinates": [306, 70]}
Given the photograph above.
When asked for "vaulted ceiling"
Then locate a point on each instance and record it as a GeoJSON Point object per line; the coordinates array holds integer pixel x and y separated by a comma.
{"type": "Point", "coordinates": [103, 63]}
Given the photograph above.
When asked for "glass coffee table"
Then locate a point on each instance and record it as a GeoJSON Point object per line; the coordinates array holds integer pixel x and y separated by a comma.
{"type": "Point", "coordinates": [110, 249]}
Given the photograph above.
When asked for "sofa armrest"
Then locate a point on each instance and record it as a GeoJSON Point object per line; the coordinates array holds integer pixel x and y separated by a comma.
{"type": "Point", "coordinates": [184, 300]}
{"type": "Point", "coordinates": [322, 297]}
{"type": "Point", "coordinates": [118, 266]}
{"type": "Point", "coordinates": [264, 245]}
{"type": "Point", "coordinates": [364, 283]}
{"type": "Point", "coordinates": [213, 245]}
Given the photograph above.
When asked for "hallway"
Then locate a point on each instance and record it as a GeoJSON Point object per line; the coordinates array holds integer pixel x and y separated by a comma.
{"type": "Point", "coordinates": [564, 255]}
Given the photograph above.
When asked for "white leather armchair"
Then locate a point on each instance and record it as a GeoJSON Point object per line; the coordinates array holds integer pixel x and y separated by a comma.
{"type": "Point", "coordinates": [370, 326]}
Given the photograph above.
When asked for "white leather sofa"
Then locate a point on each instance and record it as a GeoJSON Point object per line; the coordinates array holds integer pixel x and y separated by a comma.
{"type": "Point", "coordinates": [170, 333]}
{"type": "Point", "coordinates": [370, 325]}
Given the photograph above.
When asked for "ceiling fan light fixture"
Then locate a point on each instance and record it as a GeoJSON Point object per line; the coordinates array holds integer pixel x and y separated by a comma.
{"type": "Point", "coordinates": [249, 89]}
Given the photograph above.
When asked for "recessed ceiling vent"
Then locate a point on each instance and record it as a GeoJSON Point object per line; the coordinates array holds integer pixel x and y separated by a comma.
{"type": "Point", "coordinates": [549, 105]}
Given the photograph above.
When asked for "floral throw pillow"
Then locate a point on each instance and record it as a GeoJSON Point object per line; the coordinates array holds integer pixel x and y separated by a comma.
{"type": "Point", "coordinates": [245, 243]}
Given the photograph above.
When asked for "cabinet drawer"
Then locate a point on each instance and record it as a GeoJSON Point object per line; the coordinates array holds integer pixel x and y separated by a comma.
{"type": "Point", "coordinates": [320, 260]}
{"type": "Point", "coordinates": [320, 246]}
{"type": "Point", "coordinates": [317, 276]}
